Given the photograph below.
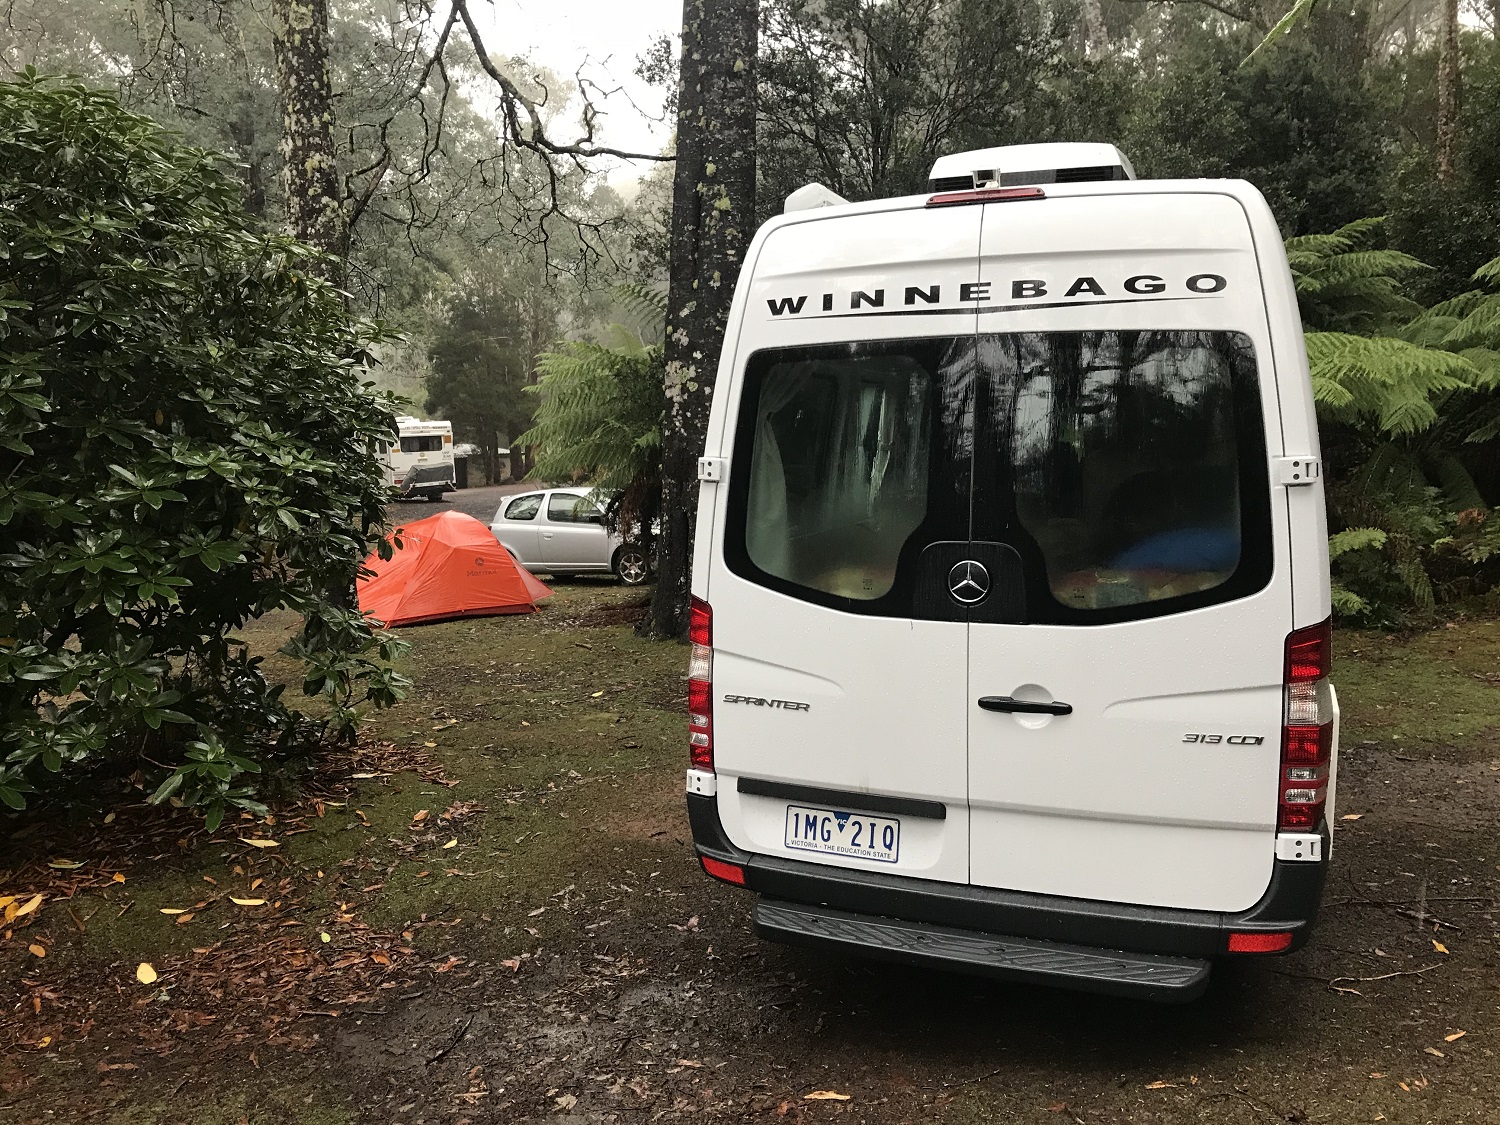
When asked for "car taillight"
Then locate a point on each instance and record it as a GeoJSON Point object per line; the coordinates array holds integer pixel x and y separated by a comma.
{"type": "Point", "coordinates": [1307, 728]}
{"type": "Point", "coordinates": [700, 686]}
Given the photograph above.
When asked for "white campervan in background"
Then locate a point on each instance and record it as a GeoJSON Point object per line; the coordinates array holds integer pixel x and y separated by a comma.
{"type": "Point", "coordinates": [1011, 621]}
{"type": "Point", "coordinates": [420, 461]}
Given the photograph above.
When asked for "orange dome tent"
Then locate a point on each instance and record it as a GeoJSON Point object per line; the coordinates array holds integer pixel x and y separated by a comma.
{"type": "Point", "coordinates": [449, 565]}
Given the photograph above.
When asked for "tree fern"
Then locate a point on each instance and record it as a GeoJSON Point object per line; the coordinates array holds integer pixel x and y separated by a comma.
{"type": "Point", "coordinates": [1413, 386]}
{"type": "Point", "coordinates": [600, 415]}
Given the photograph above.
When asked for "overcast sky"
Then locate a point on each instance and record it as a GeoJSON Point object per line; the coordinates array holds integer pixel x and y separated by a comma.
{"type": "Point", "coordinates": [610, 34]}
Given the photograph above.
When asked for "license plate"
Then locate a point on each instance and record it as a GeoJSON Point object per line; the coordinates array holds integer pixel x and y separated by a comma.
{"type": "Point", "coordinates": [843, 833]}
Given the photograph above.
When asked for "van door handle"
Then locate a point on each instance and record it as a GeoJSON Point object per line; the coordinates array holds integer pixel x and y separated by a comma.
{"type": "Point", "coordinates": [1010, 706]}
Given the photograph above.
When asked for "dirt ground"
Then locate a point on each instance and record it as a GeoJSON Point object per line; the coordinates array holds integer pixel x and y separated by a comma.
{"type": "Point", "coordinates": [491, 913]}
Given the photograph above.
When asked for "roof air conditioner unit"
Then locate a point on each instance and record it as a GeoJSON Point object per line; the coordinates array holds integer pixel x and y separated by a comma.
{"type": "Point", "coordinates": [1014, 165]}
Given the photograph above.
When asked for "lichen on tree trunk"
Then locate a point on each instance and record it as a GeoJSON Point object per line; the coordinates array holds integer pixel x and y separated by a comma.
{"type": "Point", "coordinates": [713, 215]}
{"type": "Point", "coordinates": [314, 198]}
{"type": "Point", "coordinates": [1448, 78]}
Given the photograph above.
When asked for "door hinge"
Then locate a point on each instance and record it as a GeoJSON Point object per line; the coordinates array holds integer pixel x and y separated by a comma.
{"type": "Point", "coordinates": [1292, 471]}
{"type": "Point", "coordinates": [713, 469]}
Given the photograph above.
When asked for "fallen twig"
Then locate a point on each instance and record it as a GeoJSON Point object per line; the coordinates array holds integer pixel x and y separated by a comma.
{"type": "Point", "coordinates": [1387, 976]}
{"type": "Point", "coordinates": [454, 1042]}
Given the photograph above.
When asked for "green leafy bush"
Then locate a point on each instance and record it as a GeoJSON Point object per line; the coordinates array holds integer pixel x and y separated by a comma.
{"type": "Point", "coordinates": [185, 445]}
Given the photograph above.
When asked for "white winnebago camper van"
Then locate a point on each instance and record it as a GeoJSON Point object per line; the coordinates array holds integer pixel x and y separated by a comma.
{"type": "Point", "coordinates": [420, 461]}
{"type": "Point", "coordinates": [1011, 609]}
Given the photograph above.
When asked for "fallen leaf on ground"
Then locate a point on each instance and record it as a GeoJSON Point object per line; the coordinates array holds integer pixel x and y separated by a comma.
{"type": "Point", "coordinates": [145, 973]}
{"type": "Point", "coordinates": [453, 843]}
{"type": "Point", "coordinates": [513, 964]}
{"type": "Point", "coordinates": [325, 936]}
{"type": "Point", "coordinates": [247, 901]}
{"type": "Point", "coordinates": [1434, 1052]}
{"type": "Point", "coordinates": [1159, 1085]}
{"type": "Point", "coordinates": [1455, 1035]}
{"type": "Point", "coordinates": [43, 1042]}
{"type": "Point", "coordinates": [419, 817]}
{"type": "Point", "coordinates": [825, 1096]}
{"type": "Point", "coordinates": [1352, 816]}
{"type": "Point", "coordinates": [380, 957]}
{"type": "Point", "coordinates": [534, 913]}
{"type": "Point", "coordinates": [184, 919]}
{"type": "Point", "coordinates": [21, 911]}
{"type": "Point", "coordinates": [1378, 1074]}
{"type": "Point", "coordinates": [596, 695]}
{"type": "Point", "coordinates": [37, 950]}
{"type": "Point", "coordinates": [688, 1062]}
{"type": "Point", "coordinates": [1439, 946]}
{"type": "Point", "coordinates": [566, 1101]}
{"type": "Point", "coordinates": [117, 878]}
{"type": "Point", "coordinates": [174, 910]}
{"type": "Point", "coordinates": [64, 864]}
{"type": "Point", "coordinates": [260, 843]}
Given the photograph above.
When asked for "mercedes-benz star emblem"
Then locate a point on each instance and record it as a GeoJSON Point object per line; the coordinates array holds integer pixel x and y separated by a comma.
{"type": "Point", "coordinates": [969, 582]}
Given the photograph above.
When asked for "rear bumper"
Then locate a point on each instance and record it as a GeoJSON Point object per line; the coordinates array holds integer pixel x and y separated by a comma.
{"type": "Point", "coordinates": [922, 921]}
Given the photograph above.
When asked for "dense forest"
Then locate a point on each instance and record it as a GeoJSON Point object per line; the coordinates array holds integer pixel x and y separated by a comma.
{"type": "Point", "coordinates": [492, 231]}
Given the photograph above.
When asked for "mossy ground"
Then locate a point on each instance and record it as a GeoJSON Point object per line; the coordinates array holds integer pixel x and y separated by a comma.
{"type": "Point", "coordinates": [565, 957]}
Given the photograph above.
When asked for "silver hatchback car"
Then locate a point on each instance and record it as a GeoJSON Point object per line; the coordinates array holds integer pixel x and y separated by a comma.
{"type": "Point", "coordinates": [561, 531]}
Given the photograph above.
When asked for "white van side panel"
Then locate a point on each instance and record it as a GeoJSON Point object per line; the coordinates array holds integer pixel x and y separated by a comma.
{"type": "Point", "coordinates": [886, 695]}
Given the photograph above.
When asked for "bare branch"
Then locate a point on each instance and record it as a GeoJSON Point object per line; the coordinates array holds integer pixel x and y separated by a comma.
{"type": "Point", "coordinates": [514, 102]}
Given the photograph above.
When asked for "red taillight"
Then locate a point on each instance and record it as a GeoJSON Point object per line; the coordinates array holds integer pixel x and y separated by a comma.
{"type": "Point", "coordinates": [1309, 653]}
{"type": "Point", "coordinates": [700, 689]}
{"type": "Point", "coordinates": [1259, 942]}
{"type": "Point", "coordinates": [726, 871]}
{"type": "Point", "coordinates": [1307, 729]}
{"type": "Point", "coordinates": [985, 195]}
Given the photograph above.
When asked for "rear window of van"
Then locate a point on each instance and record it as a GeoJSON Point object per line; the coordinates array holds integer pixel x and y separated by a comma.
{"type": "Point", "coordinates": [1124, 471]}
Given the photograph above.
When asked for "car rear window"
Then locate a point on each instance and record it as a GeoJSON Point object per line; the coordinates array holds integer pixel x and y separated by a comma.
{"type": "Point", "coordinates": [1112, 474]}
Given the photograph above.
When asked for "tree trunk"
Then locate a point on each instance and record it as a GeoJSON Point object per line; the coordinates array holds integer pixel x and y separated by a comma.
{"type": "Point", "coordinates": [314, 199]}
{"type": "Point", "coordinates": [1448, 78]}
{"type": "Point", "coordinates": [713, 216]}
{"type": "Point", "coordinates": [1095, 37]}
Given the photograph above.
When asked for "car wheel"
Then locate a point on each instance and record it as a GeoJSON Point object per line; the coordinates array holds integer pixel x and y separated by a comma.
{"type": "Point", "coordinates": [631, 567]}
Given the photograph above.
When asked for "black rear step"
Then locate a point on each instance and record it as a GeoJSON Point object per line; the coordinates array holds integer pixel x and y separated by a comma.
{"type": "Point", "coordinates": [1149, 976]}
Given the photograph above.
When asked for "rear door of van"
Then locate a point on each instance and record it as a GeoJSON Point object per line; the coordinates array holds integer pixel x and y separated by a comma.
{"type": "Point", "coordinates": [1125, 423]}
{"type": "Point", "coordinates": [839, 692]}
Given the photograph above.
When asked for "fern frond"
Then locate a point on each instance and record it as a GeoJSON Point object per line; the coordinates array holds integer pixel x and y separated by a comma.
{"type": "Point", "coordinates": [1417, 583]}
{"type": "Point", "coordinates": [1457, 484]}
{"type": "Point", "coordinates": [1346, 603]}
{"type": "Point", "coordinates": [1490, 272]}
{"type": "Point", "coordinates": [1385, 377]}
{"type": "Point", "coordinates": [1355, 539]}
{"type": "Point", "coordinates": [1480, 328]}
